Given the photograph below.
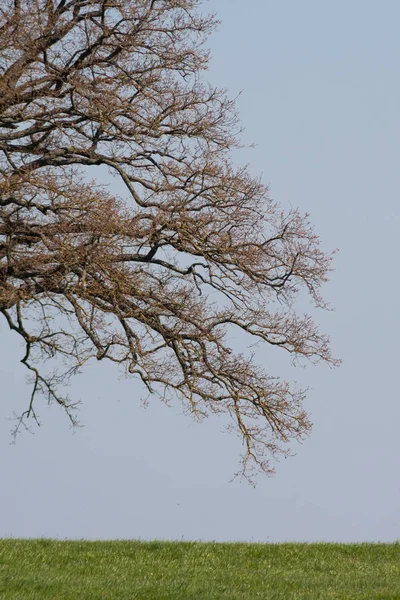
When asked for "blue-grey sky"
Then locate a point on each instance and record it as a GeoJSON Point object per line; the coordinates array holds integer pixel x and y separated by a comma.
{"type": "Point", "coordinates": [321, 99]}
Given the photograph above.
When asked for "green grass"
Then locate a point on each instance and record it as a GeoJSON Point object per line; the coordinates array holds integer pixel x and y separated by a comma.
{"type": "Point", "coordinates": [41, 569]}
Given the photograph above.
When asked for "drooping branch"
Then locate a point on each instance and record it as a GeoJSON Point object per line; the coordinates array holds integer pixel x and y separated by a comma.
{"type": "Point", "coordinates": [156, 279]}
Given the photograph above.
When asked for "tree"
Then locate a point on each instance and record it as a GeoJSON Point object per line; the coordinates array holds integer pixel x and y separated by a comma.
{"type": "Point", "coordinates": [153, 280]}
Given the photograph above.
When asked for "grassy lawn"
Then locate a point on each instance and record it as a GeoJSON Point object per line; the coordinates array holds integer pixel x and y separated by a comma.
{"type": "Point", "coordinates": [40, 569]}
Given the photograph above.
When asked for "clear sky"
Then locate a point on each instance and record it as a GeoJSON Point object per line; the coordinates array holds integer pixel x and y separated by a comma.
{"type": "Point", "coordinates": [321, 99]}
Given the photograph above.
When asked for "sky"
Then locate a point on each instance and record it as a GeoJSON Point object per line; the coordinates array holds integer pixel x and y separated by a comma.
{"type": "Point", "coordinates": [320, 98]}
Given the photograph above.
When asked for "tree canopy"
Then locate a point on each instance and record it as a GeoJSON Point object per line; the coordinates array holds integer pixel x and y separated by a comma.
{"type": "Point", "coordinates": [153, 278]}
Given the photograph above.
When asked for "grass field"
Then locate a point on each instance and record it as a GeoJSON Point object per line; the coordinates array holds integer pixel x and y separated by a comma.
{"type": "Point", "coordinates": [41, 569]}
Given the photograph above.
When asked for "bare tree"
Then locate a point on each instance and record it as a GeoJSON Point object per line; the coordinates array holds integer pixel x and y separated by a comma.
{"type": "Point", "coordinates": [153, 280]}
